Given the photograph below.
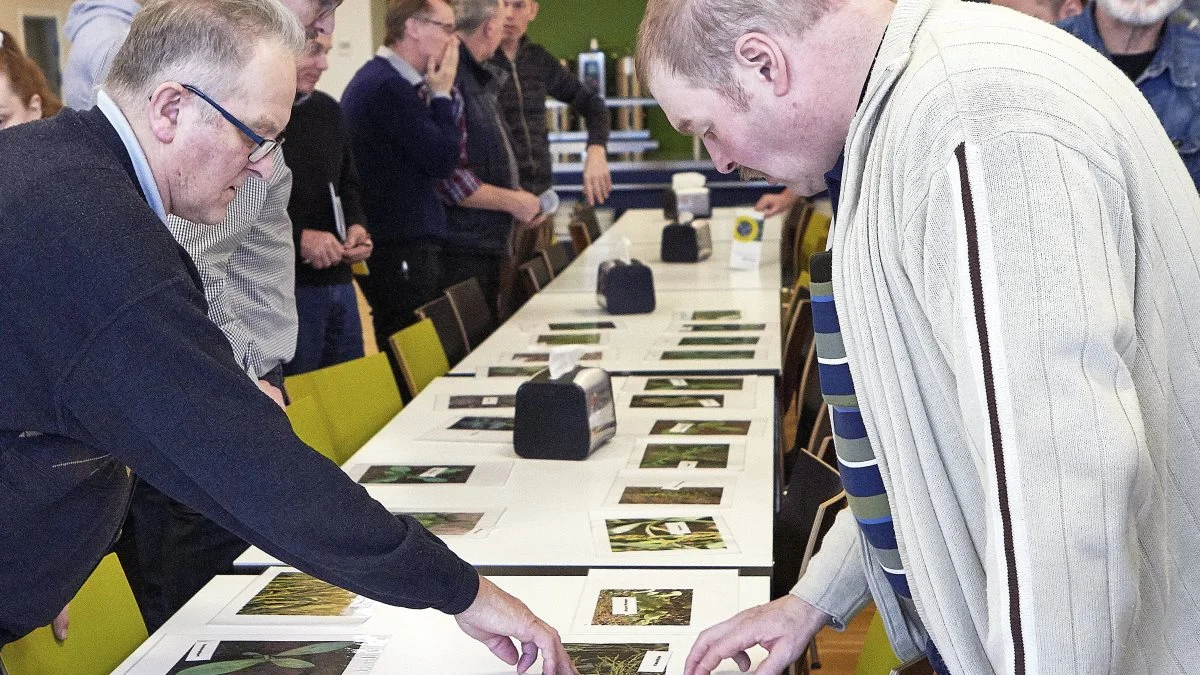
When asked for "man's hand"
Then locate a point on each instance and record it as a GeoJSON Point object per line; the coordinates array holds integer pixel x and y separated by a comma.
{"type": "Point", "coordinates": [779, 202]}
{"type": "Point", "coordinates": [783, 627]}
{"type": "Point", "coordinates": [495, 616]}
{"type": "Point", "coordinates": [440, 72]}
{"type": "Point", "coordinates": [597, 179]}
{"type": "Point", "coordinates": [358, 244]}
{"type": "Point", "coordinates": [60, 624]}
{"type": "Point", "coordinates": [320, 249]}
{"type": "Point", "coordinates": [272, 391]}
{"type": "Point", "coordinates": [524, 206]}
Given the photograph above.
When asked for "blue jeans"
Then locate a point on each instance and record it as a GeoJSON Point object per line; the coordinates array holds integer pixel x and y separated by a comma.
{"type": "Point", "coordinates": [330, 331]}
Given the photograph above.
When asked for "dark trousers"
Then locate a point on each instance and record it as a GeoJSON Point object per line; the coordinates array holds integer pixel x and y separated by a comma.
{"type": "Point", "coordinates": [169, 552]}
{"type": "Point", "coordinates": [329, 330]}
{"type": "Point", "coordinates": [460, 265]}
{"type": "Point", "coordinates": [403, 277]}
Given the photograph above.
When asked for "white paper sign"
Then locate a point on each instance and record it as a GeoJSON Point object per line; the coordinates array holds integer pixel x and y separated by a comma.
{"type": "Point", "coordinates": [655, 662]}
{"type": "Point", "coordinates": [676, 527]}
{"type": "Point", "coordinates": [434, 472]}
{"type": "Point", "coordinates": [688, 464]}
{"type": "Point", "coordinates": [491, 400]}
{"type": "Point", "coordinates": [624, 606]}
{"type": "Point", "coordinates": [202, 651]}
{"type": "Point", "coordinates": [678, 382]}
{"type": "Point", "coordinates": [709, 403]}
{"type": "Point", "coordinates": [745, 251]}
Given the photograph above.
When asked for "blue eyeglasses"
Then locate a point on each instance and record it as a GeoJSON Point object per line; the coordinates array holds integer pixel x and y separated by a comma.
{"type": "Point", "coordinates": [262, 146]}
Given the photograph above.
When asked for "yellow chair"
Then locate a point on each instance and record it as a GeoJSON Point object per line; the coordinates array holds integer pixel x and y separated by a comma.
{"type": "Point", "coordinates": [309, 425]}
{"type": "Point", "coordinates": [812, 240]}
{"type": "Point", "coordinates": [419, 352]}
{"type": "Point", "coordinates": [356, 399]}
{"type": "Point", "coordinates": [105, 628]}
{"type": "Point", "coordinates": [876, 657]}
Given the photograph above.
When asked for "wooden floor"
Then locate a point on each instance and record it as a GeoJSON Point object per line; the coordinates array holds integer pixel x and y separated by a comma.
{"type": "Point", "coordinates": [838, 652]}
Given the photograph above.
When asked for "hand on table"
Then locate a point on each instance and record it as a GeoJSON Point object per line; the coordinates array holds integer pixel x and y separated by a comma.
{"type": "Point", "coordinates": [320, 249]}
{"type": "Point", "coordinates": [783, 627]}
{"type": "Point", "coordinates": [779, 202]}
{"type": "Point", "coordinates": [496, 616]}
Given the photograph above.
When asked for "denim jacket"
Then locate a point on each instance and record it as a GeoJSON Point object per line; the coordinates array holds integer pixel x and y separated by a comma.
{"type": "Point", "coordinates": [1169, 83]}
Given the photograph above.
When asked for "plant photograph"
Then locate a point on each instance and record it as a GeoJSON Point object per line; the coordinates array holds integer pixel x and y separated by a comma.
{"type": "Point", "coordinates": [717, 315]}
{"type": "Point", "coordinates": [651, 607]}
{"type": "Point", "coordinates": [694, 383]}
{"type": "Point", "coordinates": [298, 594]}
{"type": "Point", "coordinates": [702, 427]}
{"type": "Point", "coordinates": [663, 534]}
{"type": "Point", "coordinates": [677, 401]}
{"type": "Point", "coordinates": [271, 658]}
{"type": "Point", "coordinates": [569, 339]}
{"type": "Point", "coordinates": [480, 423]}
{"type": "Point", "coordinates": [493, 401]}
{"type": "Point", "coordinates": [669, 455]}
{"type": "Point", "coordinates": [707, 354]}
{"type": "Point", "coordinates": [401, 474]}
{"type": "Point", "coordinates": [658, 495]}
{"type": "Point", "coordinates": [610, 659]}
{"type": "Point", "coordinates": [718, 340]}
{"type": "Point", "coordinates": [583, 325]}
{"type": "Point", "coordinates": [446, 524]}
{"type": "Point", "coordinates": [723, 327]}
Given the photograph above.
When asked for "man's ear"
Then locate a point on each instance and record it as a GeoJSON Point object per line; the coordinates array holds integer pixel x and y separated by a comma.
{"type": "Point", "coordinates": [760, 57]}
{"type": "Point", "coordinates": [1069, 9]}
{"type": "Point", "coordinates": [163, 111]}
{"type": "Point", "coordinates": [533, 9]}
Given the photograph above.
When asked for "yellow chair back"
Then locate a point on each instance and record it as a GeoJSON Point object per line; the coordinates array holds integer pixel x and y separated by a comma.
{"type": "Point", "coordinates": [419, 352]}
{"type": "Point", "coordinates": [309, 425]}
{"type": "Point", "coordinates": [356, 398]}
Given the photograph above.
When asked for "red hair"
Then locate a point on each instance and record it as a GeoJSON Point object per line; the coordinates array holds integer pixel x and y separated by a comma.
{"type": "Point", "coordinates": [24, 76]}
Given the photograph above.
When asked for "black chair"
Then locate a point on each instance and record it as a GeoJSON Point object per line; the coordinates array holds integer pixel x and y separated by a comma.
{"type": "Point", "coordinates": [587, 215]}
{"type": "Point", "coordinates": [580, 239]}
{"type": "Point", "coordinates": [558, 256]}
{"type": "Point", "coordinates": [449, 329]}
{"type": "Point", "coordinates": [533, 276]}
{"type": "Point", "coordinates": [471, 308]}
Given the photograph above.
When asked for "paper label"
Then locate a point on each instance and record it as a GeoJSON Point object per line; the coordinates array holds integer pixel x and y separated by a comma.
{"type": "Point", "coordinates": [680, 428]}
{"type": "Point", "coordinates": [654, 662]}
{"type": "Point", "coordinates": [624, 606]}
{"type": "Point", "coordinates": [491, 400]}
{"type": "Point", "coordinates": [202, 651]}
{"type": "Point", "coordinates": [687, 464]}
{"type": "Point", "coordinates": [433, 472]}
{"type": "Point", "coordinates": [709, 403]}
{"type": "Point", "coordinates": [677, 528]}
{"type": "Point", "coordinates": [678, 382]}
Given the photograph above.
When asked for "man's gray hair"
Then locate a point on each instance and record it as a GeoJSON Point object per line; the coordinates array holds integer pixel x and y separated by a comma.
{"type": "Point", "coordinates": [469, 15]}
{"type": "Point", "coordinates": [694, 39]}
{"type": "Point", "coordinates": [205, 43]}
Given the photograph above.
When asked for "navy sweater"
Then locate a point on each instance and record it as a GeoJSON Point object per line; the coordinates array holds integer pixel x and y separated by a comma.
{"type": "Point", "coordinates": [401, 146]}
{"type": "Point", "coordinates": [109, 362]}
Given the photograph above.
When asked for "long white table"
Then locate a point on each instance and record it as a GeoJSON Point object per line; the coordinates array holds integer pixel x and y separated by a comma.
{"type": "Point", "coordinates": [551, 514]}
{"type": "Point", "coordinates": [428, 641]}
{"type": "Point", "coordinates": [645, 225]}
{"type": "Point", "coordinates": [636, 345]}
{"type": "Point", "coordinates": [711, 274]}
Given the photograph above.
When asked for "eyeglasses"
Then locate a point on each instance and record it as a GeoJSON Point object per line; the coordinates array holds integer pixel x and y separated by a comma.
{"type": "Point", "coordinates": [262, 146]}
{"type": "Point", "coordinates": [449, 27]}
{"type": "Point", "coordinates": [327, 7]}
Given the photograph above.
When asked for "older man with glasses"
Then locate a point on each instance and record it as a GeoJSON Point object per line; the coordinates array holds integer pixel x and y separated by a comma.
{"type": "Point", "coordinates": [111, 363]}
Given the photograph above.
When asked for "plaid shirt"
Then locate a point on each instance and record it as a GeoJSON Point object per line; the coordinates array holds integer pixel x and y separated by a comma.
{"type": "Point", "coordinates": [463, 182]}
{"type": "Point", "coordinates": [247, 265]}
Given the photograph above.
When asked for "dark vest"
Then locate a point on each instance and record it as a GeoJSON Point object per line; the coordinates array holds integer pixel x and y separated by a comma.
{"type": "Point", "coordinates": [489, 155]}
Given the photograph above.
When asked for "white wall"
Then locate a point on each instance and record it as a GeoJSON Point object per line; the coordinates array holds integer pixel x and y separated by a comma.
{"type": "Point", "coordinates": [353, 46]}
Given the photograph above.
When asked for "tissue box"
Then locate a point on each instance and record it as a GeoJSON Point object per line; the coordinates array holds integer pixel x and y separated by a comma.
{"type": "Point", "coordinates": [564, 418]}
{"type": "Point", "coordinates": [625, 288]}
{"type": "Point", "coordinates": [686, 242]}
{"type": "Point", "coordinates": [686, 200]}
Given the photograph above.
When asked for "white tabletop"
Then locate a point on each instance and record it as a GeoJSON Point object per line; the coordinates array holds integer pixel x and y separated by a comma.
{"type": "Point", "coordinates": [427, 641]}
{"type": "Point", "coordinates": [645, 225]}
{"type": "Point", "coordinates": [636, 344]}
{"type": "Point", "coordinates": [552, 514]}
{"type": "Point", "coordinates": [713, 273]}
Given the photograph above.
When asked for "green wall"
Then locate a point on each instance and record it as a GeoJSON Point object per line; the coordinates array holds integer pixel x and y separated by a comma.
{"type": "Point", "coordinates": [566, 26]}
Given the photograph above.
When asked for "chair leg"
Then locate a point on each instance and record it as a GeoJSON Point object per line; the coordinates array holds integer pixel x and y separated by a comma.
{"type": "Point", "coordinates": [814, 657]}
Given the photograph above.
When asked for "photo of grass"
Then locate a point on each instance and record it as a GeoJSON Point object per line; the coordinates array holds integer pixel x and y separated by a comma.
{"type": "Point", "coordinates": [717, 315]}
{"type": "Point", "coordinates": [298, 594]}
{"type": "Point", "coordinates": [493, 401]}
{"type": "Point", "coordinates": [544, 357]}
{"type": "Point", "coordinates": [270, 657]}
{"type": "Point", "coordinates": [657, 495]}
{"type": "Point", "coordinates": [514, 371]}
{"type": "Point", "coordinates": [723, 327]}
{"type": "Point", "coordinates": [409, 474]}
{"type": "Point", "coordinates": [718, 340]}
{"type": "Point", "coordinates": [709, 354]}
{"type": "Point", "coordinates": [569, 339]}
{"type": "Point", "coordinates": [650, 607]}
{"type": "Point", "coordinates": [480, 423]}
{"type": "Point", "coordinates": [702, 427]}
{"type": "Point", "coordinates": [611, 659]}
{"type": "Point", "coordinates": [694, 383]}
{"type": "Point", "coordinates": [583, 325]}
{"type": "Point", "coordinates": [677, 401]}
{"type": "Point", "coordinates": [669, 455]}
{"type": "Point", "coordinates": [446, 524]}
{"type": "Point", "coordinates": [626, 535]}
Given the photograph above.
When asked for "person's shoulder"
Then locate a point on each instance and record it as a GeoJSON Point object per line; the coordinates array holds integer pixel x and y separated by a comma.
{"type": "Point", "coordinates": [1187, 25]}
{"type": "Point", "coordinates": [64, 149]}
{"type": "Point", "coordinates": [535, 51]}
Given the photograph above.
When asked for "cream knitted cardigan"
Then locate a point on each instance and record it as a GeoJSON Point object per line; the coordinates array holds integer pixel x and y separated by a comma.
{"type": "Point", "coordinates": [1016, 268]}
